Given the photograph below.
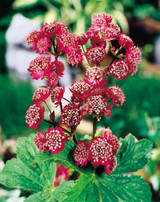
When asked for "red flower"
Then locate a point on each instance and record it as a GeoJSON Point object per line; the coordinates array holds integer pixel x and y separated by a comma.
{"type": "Point", "coordinates": [55, 140]}
{"type": "Point", "coordinates": [101, 20]}
{"type": "Point", "coordinates": [59, 66]}
{"type": "Point", "coordinates": [66, 40]}
{"type": "Point", "coordinates": [116, 94]}
{"type": "Point", "coordinates": [119, 70]}
{"type": "Point", "coordinates": [96, 76]}
{"type": "Point", "coordinates": [35, 115]}
{"type": "Point", "coordinates": [57, 95]}
{"type": "Point", "coordinates": [81, 39]}
{"type": "Point", "coordinates": [40, 66]}
{"type": "Point", "coordinates": [39, 141]}
{"type": "Point", "coordinates": [125, 41]}
{"type": "Point", "coordinates": [133, 55]}
{"type": "Point", "coordinates": [97, 105]}
{"type": "Point", "coordinates": [50, 30]}
{"type": "Point", "coordinates": [74, 55]}
{"type": "Point", "coordinates": [103, 148]}
{"type": "Point", "coordinates": [40, 95]}
{"type": "Point", "coordinates": [43, 45]}
{"type": "Point", "coordinates": [53, 78]}
{"type": "Point", "coordinates": [132, 68]}
{"type": "Point", "coordinates": [71, 116]}
{"type": "Point", "coordinates": [110, 166]}
{"type": "Point", "coordinates": [95, 54]}
{"type": "Point", "coordinates": [81, 89]}
{"type": "Point", "coordinates": [33, 37]}
{"type": "Point", "coordinates": [81, 153]}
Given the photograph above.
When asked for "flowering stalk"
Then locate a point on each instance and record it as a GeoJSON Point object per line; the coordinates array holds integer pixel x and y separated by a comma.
{"type": "Point", "coordinates": [91, 95]}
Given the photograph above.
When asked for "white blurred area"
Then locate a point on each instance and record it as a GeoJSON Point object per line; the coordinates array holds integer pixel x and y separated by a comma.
{"type": "Point", "coordinates": [19, 55]}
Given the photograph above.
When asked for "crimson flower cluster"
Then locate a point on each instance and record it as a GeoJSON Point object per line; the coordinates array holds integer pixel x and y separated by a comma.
{"type": "Point", "coordinates": [91, 95]}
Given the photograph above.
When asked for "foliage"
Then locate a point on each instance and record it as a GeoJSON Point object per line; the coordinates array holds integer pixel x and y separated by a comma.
{"type": "Point", "coordinates": [35, 171]}
{"type": "Point", "coordinates": [15, 98]}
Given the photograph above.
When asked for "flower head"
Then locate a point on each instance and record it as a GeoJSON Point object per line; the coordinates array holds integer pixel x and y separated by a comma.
{"type": "Point", "coordinates": [101, 20]}
{"type": "Point", "coordinates": [74, 55]}
{"type": "Point", "coordinates": [40, 66]}
{"type": "Point", "coordinates": [119, 70]}
{"type": "Point", "coordinates": [97, 105]}
{"type": "Point", "coordinates": [53, 78]}
{"type": "Point", "coordinates": [57, 95]}
{"type": "Point", "coordinates": [132, 68]}
{"type": "Point", "coordinates": [43, 45]}
{"type": "Point", "coordinates": [71, 116]}
{"type": "Point", "coordinates": [81, 39]}
{"type": "Point", "coordinates": [33, 37]}
{"type": "Point", "coordinates": [96, 76]}
{"type": "Point", "coordinates": [110, 166]}
{"type": "Point", "coordinates": [125, 41]}
{"type": "Point", "coordinates": [50, 30]}
{"type": "Point", "coordinates": [39, 141]}
{"type": "Point", "coordinates": [116, 94]}
{"type": "Point", "coordinates": [81, 89]}
{"type": "Point", "coordinates": [35, 115]}
{"type": "Point", "coordinates": [40, 95]}
{"type": "Point", "coordinates": [133, 55]}
{"type": "Point", "coordinates": [59, 66]}
{"type": "Point", "coordinates": [55, 140]}
{"type": "Point", "coordinates": [80, 153]}
{"type": "Point", "coordinates": [103, 148]}
{"type": "Point", "coordinates": [95, 54]}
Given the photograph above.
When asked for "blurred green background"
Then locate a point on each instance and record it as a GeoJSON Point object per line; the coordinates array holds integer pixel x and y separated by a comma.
{"type": "Point", "coordinates": [140, 115]}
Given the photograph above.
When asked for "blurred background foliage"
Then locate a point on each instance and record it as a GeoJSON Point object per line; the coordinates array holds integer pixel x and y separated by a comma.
{"type": "Point", "coordinates": [140, 114]}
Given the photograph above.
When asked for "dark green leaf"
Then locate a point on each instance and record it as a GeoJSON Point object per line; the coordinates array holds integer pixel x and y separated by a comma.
{"type": "Point", "coordinates": [133, 156]}
{"type": "Point", "coordinates": [110, 188]}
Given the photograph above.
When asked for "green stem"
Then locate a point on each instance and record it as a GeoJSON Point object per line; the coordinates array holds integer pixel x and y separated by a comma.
{"type": "Point", "coordinates": [94, 125]}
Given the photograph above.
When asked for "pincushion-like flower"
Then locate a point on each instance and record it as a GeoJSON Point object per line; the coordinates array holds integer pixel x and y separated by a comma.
{"type": "Point", "coordinates": [102, 151]}
{"type": "Point", "coordinates": [81, 89]}
{"type": "Point", "coordinates": [53, 78]}
{"type": "Point", "coordinates": [95, 54]}
{"type": "Point", "coordinates": [71, 116]}
{"type": "Point", "coordinates": [74, 55]}
{"type": "Point", "coordinates": [101, 20]}
{"type": "Point", "coordinates": [55, 140]}
{"type": "Point", "coordinates": [33, 37]}
{"type": "Point", "coordinates": [81, 39]}
{"type": "Point", "coordinates": [96, 76]}
{"type": "Point", "coordinates": [116, 94]}
{"type": "Point", "coordinates": [57, 95]}
{"type": "Point", "coordinates": [40, 66]}
{"type": "Point", "coordinates": [133, 55]}
{"type": "Point", "coordinates": [59, 66]}
{"type": "Point", "coordinates": [132, 68]}
{"type": "Point", "coordinates": [43, 45]}
{"type": "Point", "coordinates": [125, 41]}
{"type": "Point", "coordinates": [81, 153]}
{"type": "Point", "coordinates": [39, 141]}
{"type": "Point", "coordinates": [35, 115]}
{"type": "Point", "coordinates": [50, 30]}
{"type": "Point", "coordinates": [110, 166]}
{"type": "Point", "coordinates": [119, 70]}
{"type": "Point", "coordinates": [40, 95]}
{"type": "Point", "coordinates": [97, 105]}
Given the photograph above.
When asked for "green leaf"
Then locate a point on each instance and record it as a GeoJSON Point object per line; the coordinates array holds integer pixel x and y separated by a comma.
{"type": "Point", "coordinates": [133, 156]}
{"type": "Point", "coordinates": [65, 158]}
{"type": "Point", "coordinates": [110, 188]}
{"type": "Point", "coordinates": [22, 173]}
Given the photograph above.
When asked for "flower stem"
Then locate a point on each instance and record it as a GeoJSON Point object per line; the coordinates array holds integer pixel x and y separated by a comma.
{"type": "Point", "coordinates": [94, 125]}
{"type": "Point", "coordinates": [47, 106]}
